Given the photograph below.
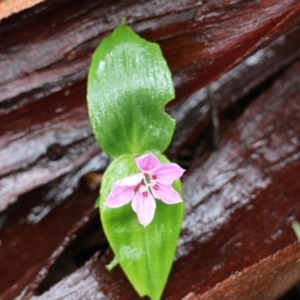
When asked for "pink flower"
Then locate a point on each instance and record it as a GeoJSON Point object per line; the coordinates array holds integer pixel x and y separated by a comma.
{"type": "Point", "coordinates": [154, 182]}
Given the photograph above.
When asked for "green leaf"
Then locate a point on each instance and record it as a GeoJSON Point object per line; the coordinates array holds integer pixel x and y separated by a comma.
{"type": "Point", "coordinates": [129, 84]}
{"type": "Point", "coordinates": [296, 227]}
{"type": "Point", "coordinates": [112, 264]}
{"type": "Point", "coordinates": [97, 202]}
{"type": "Point", "coordinates": [145, 253]}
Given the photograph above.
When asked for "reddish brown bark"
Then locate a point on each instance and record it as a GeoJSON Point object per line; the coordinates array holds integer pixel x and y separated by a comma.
{"type": "Point", "coordinates": [200, 42]}
{"type": "Point", "coordinates": [267, 279]}
{"type": "Point", "coordinates": [240, 199]}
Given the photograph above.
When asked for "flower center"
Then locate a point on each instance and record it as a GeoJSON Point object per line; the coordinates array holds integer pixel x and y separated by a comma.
{"type": "Point", "coordinates": [147, 182]}
{"type": "Point", "coordinates": [149, 179]}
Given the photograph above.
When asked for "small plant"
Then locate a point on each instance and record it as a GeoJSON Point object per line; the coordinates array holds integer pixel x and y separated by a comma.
{"type": "Point", "coordinates": [141, 207]}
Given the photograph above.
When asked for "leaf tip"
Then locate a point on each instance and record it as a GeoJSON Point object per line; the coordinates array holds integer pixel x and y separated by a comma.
{"type": "Point", "coordinates": [97, 203]}
{"type": "Point", "coordinates": [112, 264]}
{"type": "Point", "coordinates": [296, 227]}
{"type": "Point", "coordinates": [123, 20]}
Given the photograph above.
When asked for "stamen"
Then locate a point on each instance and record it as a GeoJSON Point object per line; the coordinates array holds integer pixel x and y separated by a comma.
{"type": "Point", "coordinates": [145, 194]}
{"type": "Point", "coordinates": [154, 177]}
{"type": "Point", "coordinates": [137, 187]}
{"type": "Point", "coordinates": [156, 187]}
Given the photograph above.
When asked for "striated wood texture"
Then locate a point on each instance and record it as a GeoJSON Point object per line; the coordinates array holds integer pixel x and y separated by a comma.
{"type": "Point", "coordinates": [37, 229]}
{"type": "Point", "coordinates": [43, 71]}
{"type": "Point", "coordinates": [233, 87]}
{"type": "Point", "coordinates": [266, 279]}
{"type": "Point", "coordinates": [240, 198]}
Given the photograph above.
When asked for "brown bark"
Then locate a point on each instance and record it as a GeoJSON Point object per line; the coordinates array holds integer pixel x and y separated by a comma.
{"type": "Point", "coordinates": [240, 198]}
{"type": "Point", "coordinates": [43, 72]}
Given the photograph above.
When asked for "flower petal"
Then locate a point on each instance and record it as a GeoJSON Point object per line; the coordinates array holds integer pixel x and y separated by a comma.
{"type": "Point", "coordinates": [167, 173]}
{"type": "Point", "coordinates": [119, 196]}
{"type": "Point", "coordinates": [144, 205]}
{"type": "Point", "coordinates": [147, 162]}
{"type": "Point", "coordinates": [165, 193]}
{"type": "Point", "coordinates": [131, 180]}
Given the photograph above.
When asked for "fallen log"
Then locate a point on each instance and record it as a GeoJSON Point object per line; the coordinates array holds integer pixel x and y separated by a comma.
{"type": "Point", "coordinates": [44, 90]}
{"type": "Point", "coordinates": [237, 86]}
{"type": "Point", "coordinates": [36, 230]}
{"type": "Point", "coordinates": [45, 138]}
{"type": "Point", "coordinates": [249, 282]}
